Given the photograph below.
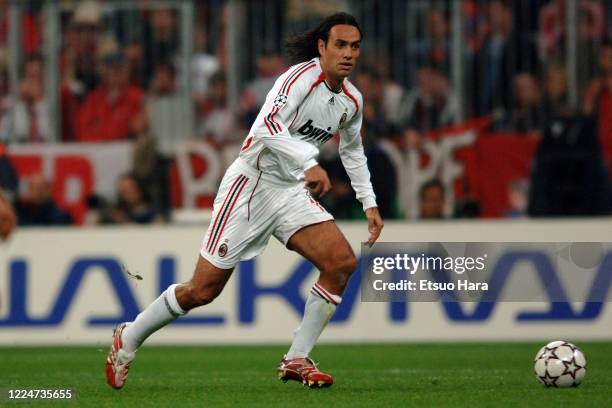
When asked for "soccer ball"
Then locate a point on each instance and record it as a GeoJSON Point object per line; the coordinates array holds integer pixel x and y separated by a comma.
{"type": "Point", "coordinates": [560, 364]}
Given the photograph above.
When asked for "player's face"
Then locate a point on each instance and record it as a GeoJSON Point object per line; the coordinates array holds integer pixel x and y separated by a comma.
{"type": "Point", "coordinates": [339, 55]}
{"type": "Point", "coordinates": [432, 203]}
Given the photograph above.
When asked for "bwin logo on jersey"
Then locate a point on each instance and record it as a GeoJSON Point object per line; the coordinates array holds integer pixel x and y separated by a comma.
{"type": "Point", "coordinates": [314, 133]}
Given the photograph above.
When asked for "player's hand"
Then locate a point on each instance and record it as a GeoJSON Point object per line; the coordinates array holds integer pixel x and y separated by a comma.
{"type": "Point", "coordinates": [375, 224]}
{"type": "Point", "coordinates": [317, 181]}
{"type": "Point", "coordinates": [8, 220]}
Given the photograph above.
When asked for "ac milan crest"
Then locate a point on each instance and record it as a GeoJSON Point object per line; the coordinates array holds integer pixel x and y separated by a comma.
{"type": "Point", "coordinates": [223, 250]}
{"type": "Point", "coordinates": [342, 120]}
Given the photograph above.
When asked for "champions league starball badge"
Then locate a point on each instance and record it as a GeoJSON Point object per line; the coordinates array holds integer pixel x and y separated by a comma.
{"type": "Point", "coordinates": [280, 100]}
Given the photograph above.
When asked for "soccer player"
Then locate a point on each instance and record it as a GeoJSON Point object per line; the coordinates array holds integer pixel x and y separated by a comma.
{"type": "Point", "coordinates": [267, 191]}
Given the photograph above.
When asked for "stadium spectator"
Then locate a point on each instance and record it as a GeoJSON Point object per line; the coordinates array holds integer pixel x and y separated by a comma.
{"type": "Point", "coordinates": [69, 97]}
{"type": "Point", "coordinates": [203, 64]}
{"type": "Point", "coordinates": [164, 125]}
{"type": "Point", "coordinates": [28, 119]}
{"type": "Point", "coordinates": [410, 139]}
{"type": "Point", "coordinates": [133, 206]}
{"type": "Point", "coordinates": [375, 123]}
{"type": "Point", "coordinates": [601, 85]}
{"type": "Point", "coordinates": [151, 168]}
{"type": "Point", "coordinates": [78, 63]}
{"type": "Point", "coordinates": [216, 122]}
{"type": "Point", "coordinates": [137, 67]}
{"type": "Point", "coordinates": [590, 31]}
{"type": "Point", "coordinates": [598, 100]}
{"type": "Point", "coordinates": [392, 92]}
{"type": "Point", "coordinates": [165, 108]}
{"type": "Point", "coordinates": [220, 48]}
{"type": "Point", "coordinates": [466, 203]}
{"type": "Point", "coordinates": [78, 59]}
{"type": "Point", "coordinates": [553, 25]}
{"type": "Point", "coordinates": [99, 211]}
{"type": "Point", "coordinates": [30, 27]}
{"type": "Point", "coordinates": [5, 101]}
{"type": "Point", "coordinates": [164, 79]}
{"type": "Point", "coordinates": [432, 200]}
{"type": "Point", "coordinates": [111, 111]}
{"type": "Point", "coordinates": [568, 175]}
{"type": "Point", "coordinates": [431, 104]}
{"type": "Point", "coordinates": [304, 14]}
{"type": "Point", "coordinates": [527, 114]}
{"type": "Point", "coordinates": [268, 65]}
{"type": "Point", "coordinates": [128, 26]}
{"type": "Point", "coordinates": [36, 206]}
{"type": "Point", "coordinates": [434, 48]}
{"type": "Point", "coordinates": [162, 37]}
{"type": "Point", "coordinates": [518, 196]}
{"type": "Point", "coordinates": [384, 179]}
{"type": "Point", "coordinates": [471, 27]}
{"type": "Point", "coordinates": [555, 101]}
{"type": "Point", "coordinates": [502, 52]}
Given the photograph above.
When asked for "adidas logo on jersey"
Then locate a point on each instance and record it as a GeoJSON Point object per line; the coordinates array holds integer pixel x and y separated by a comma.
{"type": "Point", "coordinates": [314, 133]}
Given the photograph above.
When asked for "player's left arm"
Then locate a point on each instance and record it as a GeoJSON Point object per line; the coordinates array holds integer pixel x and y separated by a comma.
{"type": "Point", "coordinates": [356, 166]}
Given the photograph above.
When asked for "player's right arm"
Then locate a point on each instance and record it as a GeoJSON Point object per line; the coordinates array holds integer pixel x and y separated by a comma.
{"type": "Point", "coordinates": [317, 181]}
{"type": "Point", "coordinates": [279, 110]}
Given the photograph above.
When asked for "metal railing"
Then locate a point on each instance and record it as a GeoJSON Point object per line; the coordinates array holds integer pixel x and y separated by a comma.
{"type": "Point", "coordinates": [400, 38]}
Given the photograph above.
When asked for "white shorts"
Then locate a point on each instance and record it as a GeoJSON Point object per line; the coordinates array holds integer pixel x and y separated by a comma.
{"type": "Point", "coordinates": [248, 210]}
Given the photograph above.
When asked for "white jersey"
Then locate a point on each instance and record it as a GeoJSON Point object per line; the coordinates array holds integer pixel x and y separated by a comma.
{"type": "Point", "coordinates": [301, 113]}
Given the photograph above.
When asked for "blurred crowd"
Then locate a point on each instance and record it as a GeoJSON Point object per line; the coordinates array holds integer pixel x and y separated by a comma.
{"type": "Point", "coordinates": [121, 76]}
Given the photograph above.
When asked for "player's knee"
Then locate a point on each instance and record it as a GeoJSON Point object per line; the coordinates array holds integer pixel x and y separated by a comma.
{"type": "Point", "coordinates": [201, 295]}
{"type": "Point", "coordinates": [342, 263]}
{"type": "Point", "coordinates": [347, 265]}
{"type": "Point", "coordinates": [336, 273]}
{"type": "Point", "coordinates": [207, 294]}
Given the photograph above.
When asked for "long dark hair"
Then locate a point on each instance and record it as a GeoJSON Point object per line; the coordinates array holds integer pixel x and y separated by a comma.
{"type": "Point", "coordinates": [304, 46]}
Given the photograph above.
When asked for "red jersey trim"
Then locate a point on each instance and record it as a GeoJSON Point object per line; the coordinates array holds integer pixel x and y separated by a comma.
{"type": "Point", "coordinates": [290, 76]}
{"type": "Point", "coordinates": [318, 82]}
{"type": "Point", "coordinates": [299, 75]}
{"type": "Point", "coordinates": [350, 95]}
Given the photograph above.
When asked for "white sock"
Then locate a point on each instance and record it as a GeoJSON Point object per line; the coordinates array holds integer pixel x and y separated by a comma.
{"type": "Point", "coordinates": [320, 306]}
{"type": "Point", "coordinates": [162, 311]}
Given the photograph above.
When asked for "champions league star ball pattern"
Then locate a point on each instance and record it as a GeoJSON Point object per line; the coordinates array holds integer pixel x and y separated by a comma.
{"type": "Point", "coordinates": [280, 100]}
{"type": "Point", "coordinates": [560, 364]}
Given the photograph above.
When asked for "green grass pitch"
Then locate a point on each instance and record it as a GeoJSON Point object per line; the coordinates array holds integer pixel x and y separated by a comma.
{"type": "Point", "coordinates": [373, 375]}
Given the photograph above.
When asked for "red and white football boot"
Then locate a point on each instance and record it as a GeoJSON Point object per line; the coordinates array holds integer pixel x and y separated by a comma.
{"type": "Point", "coordinates": [303, 370]}
{"type": "Point", "coordinates": [118, 360]}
